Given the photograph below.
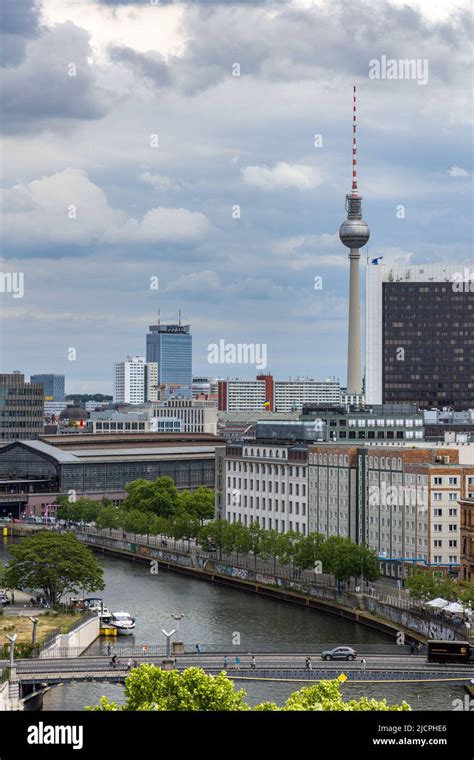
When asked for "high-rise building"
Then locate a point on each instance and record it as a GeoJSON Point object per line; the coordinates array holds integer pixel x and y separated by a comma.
{"type": "Point", "coordinates": [53, 386]}
{"type": "Point", "coordinates": [135, 381]}
{"type": "Point", "coordinates": [419, 336]}
{"type": "Point", "coordinates": [170, 346]}
{"type": "Point", "coordinates": [266, 394]}
{"type": "Point", "coordinates": [354, 234]}
{"type": "Point", "coordinates": [21, 408]}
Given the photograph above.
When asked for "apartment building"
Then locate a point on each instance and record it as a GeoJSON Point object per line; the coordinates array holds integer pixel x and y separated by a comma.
{"type": "Point", "coordinates": [264, 481]}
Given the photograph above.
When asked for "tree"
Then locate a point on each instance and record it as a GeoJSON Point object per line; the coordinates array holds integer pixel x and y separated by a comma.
{"type": "Point", "coordinates": [57, 563]}
{"type": "Point", "coordinates": [150, 688]}
{"type": "Point", "coordinates": [256, 536]}
{"type": "Point", "coordinates": [135, 521]}
{"type": "Point", "coordinates": [201, 503]}
{"type": "Point", "coordinates": [185, 526]}
{"type": "Point", "coordinates": [327, 696]}
{"type": "Point", "coordinates": [308, 550]}
{"type": "Point", "coordinates": [159, 496]}
{"type": "Point", "coordinates": [108, 517]}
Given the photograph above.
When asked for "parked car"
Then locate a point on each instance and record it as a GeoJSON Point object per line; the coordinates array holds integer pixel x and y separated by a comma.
{"type": "Point", "coordinates": [339, 653]}
{"type": "Point", "coordinates": [3, 599]}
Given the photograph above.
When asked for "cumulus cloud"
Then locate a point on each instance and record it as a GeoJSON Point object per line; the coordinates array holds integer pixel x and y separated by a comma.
{"type": "Point", "coordinates": [54, 82]}
{"type": "Point", "coordinates": [67, 207]}
{"type": "Point", "coordinates": [458, 171]}
{"type": "Point", "coordinates": [278, 43]}
{"type": "Point", "coordinates": [19, 23]}
{"type": "Point", "coordinates": [282, 175]}
{"type": "Point", "coordinates": [157, 181]}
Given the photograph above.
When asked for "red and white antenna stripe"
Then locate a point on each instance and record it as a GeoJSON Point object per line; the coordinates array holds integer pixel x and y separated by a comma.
{"type": "Point", "coordinates": [354, 144]}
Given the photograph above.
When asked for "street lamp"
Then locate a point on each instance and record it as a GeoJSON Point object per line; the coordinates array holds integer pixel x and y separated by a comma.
{"type": "Point", "coordinates": [12, 640]}
{"type": "Point", "coordinates": [34, 620]}
{"type": "Point", "coordinates": [177, 616]}
{"type": "Point", "coordinates": [168, 641]}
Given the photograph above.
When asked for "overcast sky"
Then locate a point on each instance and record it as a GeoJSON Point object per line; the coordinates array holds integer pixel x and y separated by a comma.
{"type": "Point", "coordinates": [128, 143]}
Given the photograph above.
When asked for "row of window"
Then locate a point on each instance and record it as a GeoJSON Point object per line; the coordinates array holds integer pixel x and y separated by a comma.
{"type": "Point", "coordinates": [269, 523]}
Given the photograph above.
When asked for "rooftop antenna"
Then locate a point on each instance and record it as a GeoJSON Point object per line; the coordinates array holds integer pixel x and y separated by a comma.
{"type": "Point", "coordinates": [159, 317]}
{"type": "Point", "coordinates": [179, 317]}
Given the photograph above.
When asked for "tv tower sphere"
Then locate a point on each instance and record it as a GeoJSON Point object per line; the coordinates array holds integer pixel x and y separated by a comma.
{"type": "Point", "coordinates": [354, 233]}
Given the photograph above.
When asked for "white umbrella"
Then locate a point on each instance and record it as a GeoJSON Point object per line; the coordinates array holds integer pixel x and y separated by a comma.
{"type": "Point", "coordinates": [439, 602]}
{"type": "Point", "coordinates": [453, 607]}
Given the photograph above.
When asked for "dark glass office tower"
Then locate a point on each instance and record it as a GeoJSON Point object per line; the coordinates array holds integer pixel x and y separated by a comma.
{"type": "Point", "coordinates": [419, 335]}
{"type": "Point", "coordinates": [171, 347]}
{"type": "Point", "coordinates": [428, 344]}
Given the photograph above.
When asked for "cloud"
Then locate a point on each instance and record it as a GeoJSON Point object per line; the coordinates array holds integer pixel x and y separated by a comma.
{"type": "Point", "coordinates": [457, 171]}
{"type": "Point", "coordinates": [19, 23]}
{"type": "Point", "coordinates": [157, 181]}
{"type": "Point", "coordinates": [277, 43]}
{"type": "Point", "coordinates": [44, 90]}
{"type": "Point", "coordinates": [67, 207]}
{"type": "Point", "coordinates": [282, 175]}
{"type": "Point", "coordinates": [199, 283]}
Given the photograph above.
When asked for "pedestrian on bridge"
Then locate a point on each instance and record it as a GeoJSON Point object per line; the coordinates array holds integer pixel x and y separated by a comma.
{"type": "Point", "coordinates": [225, 662]}
{"type": "Point", "coordinates": [363, 662]}
{"type": "Point", "coordinates": [253, 662]}
{"type": "Point", "coordinates": [198, 649]}
{"type": "Point", "coordinates": [309, 664]}
{"type": "Point", "coordinates": [237, 663]}
{"type": "Point", "coordinates": [129, 663]}
{"type": "Point", "coordinates": [109, 650]}
{"type": "Point", "coordinates": [113, 661]}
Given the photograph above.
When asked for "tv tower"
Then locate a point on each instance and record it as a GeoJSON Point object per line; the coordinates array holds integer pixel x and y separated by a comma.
{"type": "Point", "coordinates": [354, 233]}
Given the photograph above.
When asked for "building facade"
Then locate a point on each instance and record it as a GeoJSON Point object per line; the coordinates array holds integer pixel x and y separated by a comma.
{"type": "Point", "coordinates": [384, 422]}
{"type": "Point", "coordinates": [467, 536]}
{"type": "Point", "coordinates": [53, 386]}
{"type": "Point", "coordinates": [264, 483]}
{"type": "Point", "coordinates": [135, 381]}
{"type": "Point", "coordinates": [265, 393]}
{"type": "Point", "coordinates": [419, 336]}
{"type": "Point", "coordinates": [21, 408]}
{"type": "Point", "coordinates": [33, 473]}
{"type": "Point", "coordinates": [399, 501]}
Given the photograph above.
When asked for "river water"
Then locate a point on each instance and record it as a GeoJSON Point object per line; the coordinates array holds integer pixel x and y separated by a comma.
{"type": "Point", "coordinates": [212, 616]}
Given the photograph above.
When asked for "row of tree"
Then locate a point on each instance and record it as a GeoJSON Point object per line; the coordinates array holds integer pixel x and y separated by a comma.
{"type": "Point", "coordinates": [158, 508]}
{"type": "Point", "coordinates": [153, 498]}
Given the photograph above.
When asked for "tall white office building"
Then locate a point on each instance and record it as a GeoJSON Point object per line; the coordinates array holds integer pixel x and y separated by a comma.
{"type": "Point", "coordinates": [135, 381]}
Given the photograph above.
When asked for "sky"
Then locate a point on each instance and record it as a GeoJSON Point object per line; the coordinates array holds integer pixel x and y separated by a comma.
{"type": "Point", "coordinates": [162, 155]}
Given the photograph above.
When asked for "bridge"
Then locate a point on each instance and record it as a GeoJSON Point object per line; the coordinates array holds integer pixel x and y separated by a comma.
{"type": "Point", "coordinates": [287, 667]}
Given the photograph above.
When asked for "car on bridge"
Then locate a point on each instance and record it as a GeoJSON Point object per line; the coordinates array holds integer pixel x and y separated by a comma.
{"type": "Point", "coordinates": [339, 653]}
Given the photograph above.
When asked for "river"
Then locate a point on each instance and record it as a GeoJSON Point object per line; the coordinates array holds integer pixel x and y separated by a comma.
{"type": "Point", "coordinates": [212, 615]}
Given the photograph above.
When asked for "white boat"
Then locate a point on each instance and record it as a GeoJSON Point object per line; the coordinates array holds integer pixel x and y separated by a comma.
{"type": "Point", "coordinates": [123, 622]}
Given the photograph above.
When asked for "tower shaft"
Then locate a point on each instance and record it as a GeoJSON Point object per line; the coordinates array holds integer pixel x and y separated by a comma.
{"type": "Point", "coordinates": [354, 368]}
